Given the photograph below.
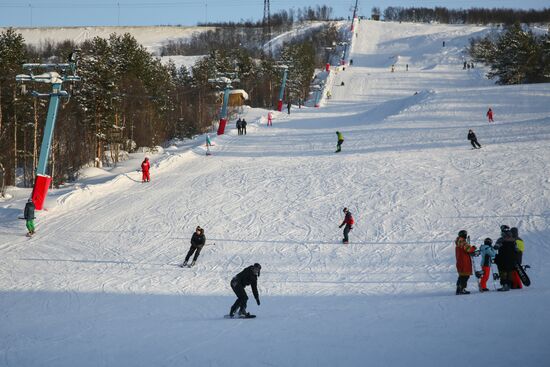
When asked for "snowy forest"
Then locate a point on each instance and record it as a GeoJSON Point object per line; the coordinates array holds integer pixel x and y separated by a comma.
{"type": "Point", "coordinates": [128, 99]}
{"type": "Point", "coordinates": [516, 56]}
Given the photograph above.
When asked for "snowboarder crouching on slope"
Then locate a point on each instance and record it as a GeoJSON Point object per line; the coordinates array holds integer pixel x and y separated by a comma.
{"type": "Point", "coordinates": [29, 217]}
{"type": "Point", "coordinates": [249, 276]}
{"type": "Point", "coordinates": [506, 257]}
{"type": "Point", "coordinates": [463, 250]}
{"type": "Point", "coordinates": [340, 141]}
{"type": "Point", "coordinates": [348, 222]}
{"type": "Point", "coordinates": [145, 165]}
{"type": "Point", "coordinates": [197, 243]}
{"type": "Point", "coordinates": [487, 253]}
{"type": "Point", "coordinates": [473, 139]}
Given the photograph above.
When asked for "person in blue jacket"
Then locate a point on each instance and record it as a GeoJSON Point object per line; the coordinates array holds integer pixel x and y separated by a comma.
{"type": "Point", "coordinates": [487, 254]}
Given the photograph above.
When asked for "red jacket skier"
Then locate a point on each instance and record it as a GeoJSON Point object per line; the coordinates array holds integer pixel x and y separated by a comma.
{"type": "Point", "coordinates": [145, 170]}
{"type": "Point", "coordinates": [490, 115]}
{"type": "Point", "coordinates": [348, 222]}
{"type": "Point", "coordinates": [463, 261]}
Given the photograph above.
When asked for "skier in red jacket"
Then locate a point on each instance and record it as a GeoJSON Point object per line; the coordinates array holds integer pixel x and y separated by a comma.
{"type": "Point", "coordinates": [490, 115]}
{"type": "Point", "coordinates": [349, 222]}
{"type": "Point", "coordinates": [145, 170]}
{"type": "Point", "coordinates": [463, 250]}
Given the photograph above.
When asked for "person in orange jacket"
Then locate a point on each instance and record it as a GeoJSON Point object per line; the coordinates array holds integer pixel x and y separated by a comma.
{"type": "Point", "coordinates": [463, 250]}
{"type": "Point", "coordinates": [145, 177]}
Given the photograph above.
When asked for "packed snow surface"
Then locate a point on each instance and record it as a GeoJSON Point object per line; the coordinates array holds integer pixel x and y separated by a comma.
{"type": "Point", "coordinates": [99, 284]}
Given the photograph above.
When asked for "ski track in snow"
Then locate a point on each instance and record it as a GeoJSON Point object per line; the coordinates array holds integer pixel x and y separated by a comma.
{"type": "Point", "coordinates": [102, 270]}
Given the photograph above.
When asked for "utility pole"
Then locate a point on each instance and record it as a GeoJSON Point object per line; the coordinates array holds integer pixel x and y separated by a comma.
{"type": "Point", "coordinates": [266, 25]}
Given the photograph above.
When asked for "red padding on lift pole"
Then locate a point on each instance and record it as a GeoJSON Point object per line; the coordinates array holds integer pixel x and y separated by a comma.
{"type": "Point", "coordinates": [221, 128]}
{"type": "Point", "coordinates": [40, 190]}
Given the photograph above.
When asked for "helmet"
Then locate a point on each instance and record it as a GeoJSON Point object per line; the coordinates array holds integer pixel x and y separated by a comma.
{"type": "Point", "coordinates": [488, 241]}
{"type": "Point", "coordinates": [345, 210]}
{"type": "Point", "coordinates": [462, 233]}
{"type": "Point", "coordinates": [504, 228]}
{"type": "Point", "coordinates": [515, 232]}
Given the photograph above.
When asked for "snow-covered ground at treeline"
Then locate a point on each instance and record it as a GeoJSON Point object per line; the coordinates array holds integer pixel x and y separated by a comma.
{"type": "Point", "coordinates": [99, 284]}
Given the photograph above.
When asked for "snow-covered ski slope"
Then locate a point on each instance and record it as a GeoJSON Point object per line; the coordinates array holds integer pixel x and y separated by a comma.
{"type": "Point", "coordinates": [99, 286]}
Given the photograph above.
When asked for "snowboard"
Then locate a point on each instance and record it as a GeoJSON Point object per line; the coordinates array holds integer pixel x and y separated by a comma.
{"type": "Point", "coordinates": [523, 274]}
{"type": "Point", "coordinates": [240, 317]}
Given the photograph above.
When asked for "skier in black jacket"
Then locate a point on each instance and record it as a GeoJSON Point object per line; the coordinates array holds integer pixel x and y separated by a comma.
{"type": "Point", "coordinates": [506, 257]}
{"type": "Point", "coordinates": [29, 217]}
{"type": "Point", "coordinates": [197, 242]}
{"type": "Point", "coordinates": [249, 276]}
{"type": "Point", "coordinates": [473, 139]}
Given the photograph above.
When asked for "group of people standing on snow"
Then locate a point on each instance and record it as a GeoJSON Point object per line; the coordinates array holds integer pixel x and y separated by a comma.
{"type": "Point", "coordinates": [241, 126]}
{"type": "Point", "coordinates": [506, 253]}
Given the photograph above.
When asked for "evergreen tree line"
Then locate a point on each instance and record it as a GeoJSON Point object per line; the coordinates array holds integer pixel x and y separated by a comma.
{"type": "Point", "coordinates": [515, 56]}
{"type": "Point", "coordinates": [128, 99]}
{"type": "Point", "coordinates": [466, 16]}
{"type": "Point", "coordinates": [283, 19]}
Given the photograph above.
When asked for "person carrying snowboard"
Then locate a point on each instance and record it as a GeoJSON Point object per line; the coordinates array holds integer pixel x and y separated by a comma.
{"type": "Point", "coordinates": [145, 177]}
{"type": "Point", "coordinates": [506, 257]}
{"type": "Point", "coordinates": [463, 250]}
{"type": "Point", "coordinates": [490, 115]}
{"type": "Point", "coordinates": [249, 276]}
{"type": "Point", "coordinates": [29, 217]}
{"type": "Point", "coordinates": [339, 142]}
{"type": "Point", "coordinates": [520, 247]}
{"type": "Point", "coordinates": [487, 253]}
{"type": "Point", "coordinates": [197, 243]}
{"type": "Point", "coordinates": [348, 222]}
{"type": "Point", "coordinates": [473, 139]}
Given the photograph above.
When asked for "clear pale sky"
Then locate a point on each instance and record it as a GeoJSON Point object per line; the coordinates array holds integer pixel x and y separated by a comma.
{"type": "Point", "coordinates": [44, 13]}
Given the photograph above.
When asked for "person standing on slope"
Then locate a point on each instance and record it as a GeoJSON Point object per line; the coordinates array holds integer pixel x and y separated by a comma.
{"type": "Point", "coordinates": [473, 139]}
{"type": "Point", "coordinates": [239, 126]}
{"type": "Point", "coordinates": [145, 166]}
{"type": "Point", "coordinates": [29, 217]}
{"type": "Point", "coordinates": [289, 104]}
{"type": "Point", "coordinates": [197, 243]}
{"type": "Point", "coordinates": [506, 257]}
{"type": "Point", "coordinates": [208, 144]}
{"type": "Point", "coordinates": [270, 118]}
{"type": "Point", "coordinates": [249, 276]}
{"type": "Point", "coordinates": [348, 222]}
{"type": "Point", "coordinates": [463, 250]}
{"type": "Point", "coordinates": [487, 253]}
{"type": "Point", "coordinates": [490, 115]}
{"type": "Point", "coordinates": [520, 247]}
{"type": "Point", "coordinates": [243, 127]}
{"type": "Point", "coordinates": [339, 142]}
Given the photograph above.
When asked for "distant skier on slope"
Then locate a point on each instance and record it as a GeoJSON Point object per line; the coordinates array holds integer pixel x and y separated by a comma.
{"type": "Point", "coordinates": [339, 142]}
{"type": "Point", "coordinates": [239, 127]}
{"type": "Point", "coordinates": [473, 139]}
{"type": "Point", "coordinates": [463, 250]}
{"type": "Point", "coordinates": [29, 217]}
{"type": "Point", "coordinates": [489, 115]}
{"type": "Point", "coordinates": [197, 243]}
{"type": "Point", "coordinates": [208, 144]}
{"type": "Point", "coordinates": [487, 253]}
{"type": "Point", "coordinates": [145, 166]}
{"type": "Point", "coordinates": [288, 106]}
{"type": "Point", "coordinates": [249, 276]}
{"type": "Point", "coordinates": [243, 126]}
{"type": "Point", "coordinates": [348, 222]}
{"type": "Point", "coordinates": [270, 118]}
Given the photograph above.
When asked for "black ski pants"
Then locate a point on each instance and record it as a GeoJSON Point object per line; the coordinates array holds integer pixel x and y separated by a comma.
{"type": "Point", "coordinates": [347, 228]}
{"type": "Point", "coordinates": [339, 145]}
{"type": "Point", "coordinates": [193, 249]}
{"type": "Point", "coordinates": [462, 281]}
{"type": "Point", "coordinates": [474, 143]}
{"type": "Point", "coordinates": [242, 297]}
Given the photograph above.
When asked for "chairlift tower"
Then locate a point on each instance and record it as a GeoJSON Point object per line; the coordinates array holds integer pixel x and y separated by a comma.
{"type": "Point", "coordinates": [224, 80]}
{"type": "Point", "coordinates": [56, 75]}
{"type": "Point", "coordinates": [283, 84]}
